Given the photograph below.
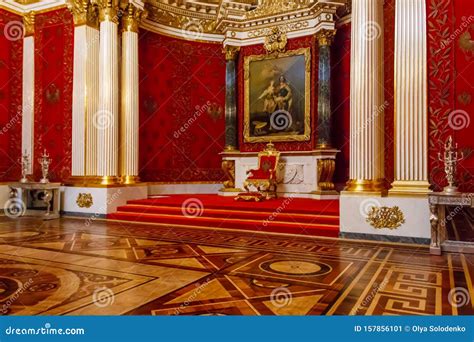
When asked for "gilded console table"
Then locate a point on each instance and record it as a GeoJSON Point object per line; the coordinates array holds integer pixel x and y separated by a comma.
{"type": "Point", "coordinates": [50, 198]}
{"type": "Point", "coordinates": [438, 203]}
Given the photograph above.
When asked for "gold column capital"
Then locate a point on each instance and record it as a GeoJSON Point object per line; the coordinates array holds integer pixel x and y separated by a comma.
{"type": "Point", "coordinates": [108, 10]}
{"type": "Point", "coordinates": [84, 12]}
{"type": "Point", "coordinates": [29, 24]}
{"type": "Point", "coordinates": [325, 36]}
{"type": "Point", "coordinates": [231, 52]}
{"type": "Point", "coordinates": [131, 18]}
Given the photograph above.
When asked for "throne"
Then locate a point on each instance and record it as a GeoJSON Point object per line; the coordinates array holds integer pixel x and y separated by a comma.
{"type": "Point", "coordinates": [264, 178]}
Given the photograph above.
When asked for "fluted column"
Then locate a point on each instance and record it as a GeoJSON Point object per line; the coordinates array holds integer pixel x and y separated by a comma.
{"type": "Point", "coordinates": [231, 53]}
{"type": "Point", "coordinates": [411, 122]}
{"type": "Point", "coordinates": [366, 169]}
{"type": "Point", "coordinates": [129, 105]}
{"type": "Point", "coordinates": [28, 89]}
{"type": "Point", "coordinates": [85, 89]}
{"type": "Point", "coordinates": [107, 117]}
{"type": "Point", "coordinates": [324, 127]}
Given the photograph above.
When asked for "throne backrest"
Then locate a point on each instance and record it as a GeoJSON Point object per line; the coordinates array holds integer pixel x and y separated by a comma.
{"type": "Point", "coordinates": [268, 159]}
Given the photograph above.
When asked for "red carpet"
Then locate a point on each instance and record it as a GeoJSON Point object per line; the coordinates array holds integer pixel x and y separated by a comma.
{"type": "Point", "coordinates": [282, 215]}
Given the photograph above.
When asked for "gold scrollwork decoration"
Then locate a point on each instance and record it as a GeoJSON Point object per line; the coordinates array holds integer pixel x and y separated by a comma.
{"type": "Point", "coordinates": [84, 200]}
{"type": "Point", "coordinates": [276, 41]}
{"type": "Point", "coordinates": [385, 217]}
{"type": "Point", "coordinates": [228, 166]}
{"type": "Point", "coordinates": [326, 168]}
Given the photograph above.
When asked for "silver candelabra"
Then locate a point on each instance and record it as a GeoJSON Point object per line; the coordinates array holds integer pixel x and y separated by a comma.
{"type": "Point", "coordinates": [450, 159]}
{"type": "Point", "coordinates": [44, 161]}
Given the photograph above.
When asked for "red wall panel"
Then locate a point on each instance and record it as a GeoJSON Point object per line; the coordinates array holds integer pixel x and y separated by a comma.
{"type": "Point", "coordinates": [54, 40]}
{"type": "Point", "coordinates": [182, 98]}
{"type": "Point", "coordinates": [450, 83]}
{"type": "Point", "coordinates": [11, 46]}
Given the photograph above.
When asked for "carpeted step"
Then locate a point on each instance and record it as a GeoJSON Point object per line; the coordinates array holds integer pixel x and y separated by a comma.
{"type": "Point", "coordinates": [329, 230]}
{"type": "Point", "coordinates": [233, 214]}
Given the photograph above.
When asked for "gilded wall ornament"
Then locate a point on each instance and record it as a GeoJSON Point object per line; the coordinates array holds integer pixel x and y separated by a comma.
{"type": "Point", "coordinates": [268, 8]}
{"type": "Point", "coordinates": [84, 200]}
{"type": "Point", "coordinates": [276, 41]}
{"type": "Point", "coordinates": [385, 217]}
{"type": "Point", "coordinates": [215, 111]}
{"type": "Point", "coordinates": [29, 23]}
{"type": "Point", "coordinates": [52, 94]}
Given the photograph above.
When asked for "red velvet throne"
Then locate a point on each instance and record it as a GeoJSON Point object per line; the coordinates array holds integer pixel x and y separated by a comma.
{"type": "Point", "coordinates": [264, 178]}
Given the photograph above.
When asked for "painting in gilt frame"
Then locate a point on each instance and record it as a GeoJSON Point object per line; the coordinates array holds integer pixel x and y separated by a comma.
{"type": "Point", "coordinates": [277, 96]}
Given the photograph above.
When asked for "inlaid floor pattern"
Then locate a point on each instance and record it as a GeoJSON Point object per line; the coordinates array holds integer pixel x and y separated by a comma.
{"type": "Point", "coordinates": [92, 267]}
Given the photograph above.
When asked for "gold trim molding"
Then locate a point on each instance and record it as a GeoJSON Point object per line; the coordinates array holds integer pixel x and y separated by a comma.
{"type": "Point", "coordinates": [385, 217]}
{"type": "Point", "coordinates": [366, 186]}
{"type": "Point", "coordinates": [29, 24]}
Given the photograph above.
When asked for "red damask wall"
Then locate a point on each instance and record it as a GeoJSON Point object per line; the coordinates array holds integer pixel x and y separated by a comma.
{"type": "Point", "coordinates": [451, 85]}
{"type": "Point", "coordinates": [54, 40]}
{"type": "Point", "coordinates": [11, 46]}
{"type": "Point", "coordinates": [182, 98]}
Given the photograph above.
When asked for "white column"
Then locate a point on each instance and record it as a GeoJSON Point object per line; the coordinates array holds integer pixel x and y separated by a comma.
{"type": "Point", "coordinates": [28, 90]}
{"type": "Point", "coordinates": [129, 95]}
{"type": "Point", "coordinates": [85, 100]}
{"type": "Point", "coordinates": [411, 120]}
{"type": "Point", "coordinates": [367, 99]}
{"type": "Point", "coordinates": [107, 117]}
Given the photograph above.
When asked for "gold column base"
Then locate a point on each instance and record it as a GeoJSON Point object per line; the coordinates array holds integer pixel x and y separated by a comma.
{"type": "Point", "coordinates": [367, 186]}
{"type": "Point", "coordinates": [229, 148]}
{"type": "Point", "coordinates": [129, 179]}
{"type": "Point", "coordinates": [410, 188]}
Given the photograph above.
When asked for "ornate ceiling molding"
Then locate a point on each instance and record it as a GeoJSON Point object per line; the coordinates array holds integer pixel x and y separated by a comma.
{"type": "Point", "coordinates": [241, 22]}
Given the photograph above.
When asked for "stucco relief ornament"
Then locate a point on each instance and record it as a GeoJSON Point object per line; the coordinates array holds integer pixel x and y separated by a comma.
{"type": "Point", "coordinates": [45, 162]}
{"type": "Point", "coordinates": [276, 41]}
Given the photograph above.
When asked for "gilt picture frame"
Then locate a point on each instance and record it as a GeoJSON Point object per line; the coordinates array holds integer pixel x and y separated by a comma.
{"type": "Point", "coordinates": [277, 96]}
